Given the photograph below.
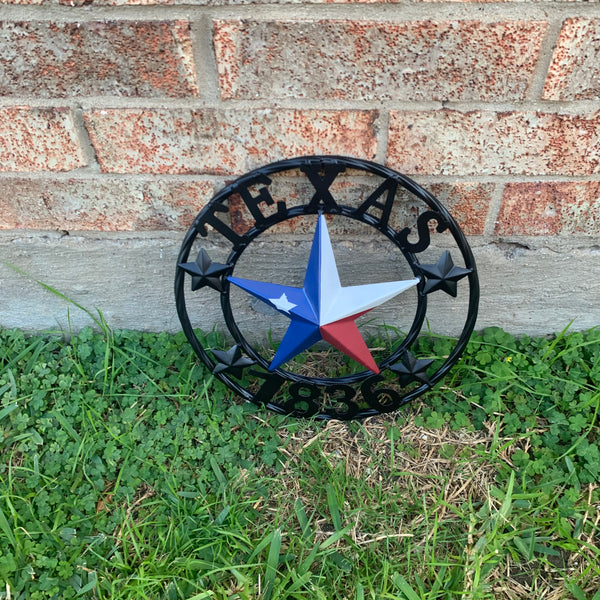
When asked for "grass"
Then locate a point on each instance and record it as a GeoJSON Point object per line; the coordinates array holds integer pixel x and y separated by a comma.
{"type": "Point", "coordinates": [126, 471]}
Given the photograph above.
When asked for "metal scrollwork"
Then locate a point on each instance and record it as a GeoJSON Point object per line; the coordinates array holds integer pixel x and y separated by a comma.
{"type": "Point", "coordinates": [350, 191]}
{"type": "Point", "coordinates": [381, 399]}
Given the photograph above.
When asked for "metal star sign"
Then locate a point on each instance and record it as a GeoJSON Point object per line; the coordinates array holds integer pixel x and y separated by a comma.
{"type": "Point", "coordinates": [231, 361]}
{"type": "Point", "coordinates": [288, 375]}
{"type": "Point", "coordinates": [322, 309]}
{"type": "Point", "coordinates": [443, 275]}
{"type": "Point", "coordinates": [204, 271]}
{"type": "Point", "coordinates": [411, 368]}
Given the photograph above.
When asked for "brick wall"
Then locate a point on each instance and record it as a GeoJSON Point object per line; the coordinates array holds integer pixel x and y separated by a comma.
{"type": "Point", "coordinates": [120, 118]}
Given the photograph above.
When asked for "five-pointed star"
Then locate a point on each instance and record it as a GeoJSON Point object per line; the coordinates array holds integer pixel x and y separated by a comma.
{"type": "Point", "coordinates": [411, 368]}
{"type": "Point", "coordinates": [282, 304]}
{"type": "Point", "coordinates": [443, 275]}
{"type": "Point", "coordinates": [323, 309]}
{"type": "Point", "coordinates": [205, 272]}
{"type": "Point", "coordinates": [231, 361]}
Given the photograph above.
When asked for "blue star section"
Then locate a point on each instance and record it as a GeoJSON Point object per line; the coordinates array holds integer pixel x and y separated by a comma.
{"type": "Point", "coordinates": [273, 293]}
{"type": "Point", "coordinates": [312, 281]}
{"type": "Point", "coordinates": [302, 332]}
{"type": "Point", "coordinates": [300, 336]}
{"type": "Point", "coordinates": [443, 275]}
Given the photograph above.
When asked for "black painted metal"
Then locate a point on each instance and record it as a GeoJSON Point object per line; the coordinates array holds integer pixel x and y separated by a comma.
{"type": "Point", "coordinates": [350, 396]}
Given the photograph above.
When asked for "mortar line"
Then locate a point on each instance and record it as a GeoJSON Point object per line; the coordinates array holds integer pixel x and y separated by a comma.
{"type": "Point", "coordinates": [493, 209]}
{"type": "Point", "coordinates": [398, 12]}
{"type": "Point", "coordinates": [486, 12]}
{"type": "Point", "coordinates": [151, 234]}
{"type": "Point", "coordinates": [85, 142]}
{"type": "Point", "coordinates": [89, 174]}
{"type": "Point", "coordinates": [205, 60]}
{"type": "Point", "coordinates": [383, 124]}
{"type": "Point", "coordinates": [89, 103]}
{"type": "Point", "coordinates": [549, 42]}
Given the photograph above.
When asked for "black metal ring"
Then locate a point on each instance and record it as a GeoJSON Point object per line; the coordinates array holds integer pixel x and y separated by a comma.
{"type": "Point", "coordinates": [321, 171]}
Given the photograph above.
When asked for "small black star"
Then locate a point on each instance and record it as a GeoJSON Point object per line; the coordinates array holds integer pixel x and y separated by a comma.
{"type": "Point", "coordinates": [231, 361]}
{"type": "Point", "coordinates": [443, 275]}
{"type": "Point", "coordinates": [205, 272]}
{"type": "Point", "coordinates": [411, 368]}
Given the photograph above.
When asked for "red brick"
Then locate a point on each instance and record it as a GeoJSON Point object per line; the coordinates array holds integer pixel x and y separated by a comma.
{"type": "Point", "coordinates": [367, 60]}
{"type": "Point", "coordinates": [467, 202]}
{"type": "Point", "coordinates": [41, 139]}
{"type": "Point", "coordinates": [574, 73]}
{"type": "Point", "coordinates": [223, 141]}
{"type": "Point", "coordinates": [107, 204]}
{"type": "Point", "coordinates": [450, 142]}
{"type": "Point", "coordinates": [550, 208]}
{"type": "Point", "coordinates": [95, 59]}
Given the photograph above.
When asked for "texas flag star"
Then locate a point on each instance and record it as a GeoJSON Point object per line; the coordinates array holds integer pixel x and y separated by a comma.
{"type": "Point", "coordinates": [322, 309]}
{"type": "Point", "coordinates": [282, 304]}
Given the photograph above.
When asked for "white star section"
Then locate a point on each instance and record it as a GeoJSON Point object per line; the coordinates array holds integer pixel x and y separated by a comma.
{"type": "Point", "coordinates": [282, 303]}
{"type": "Point", "coordinates": [337, 302]}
